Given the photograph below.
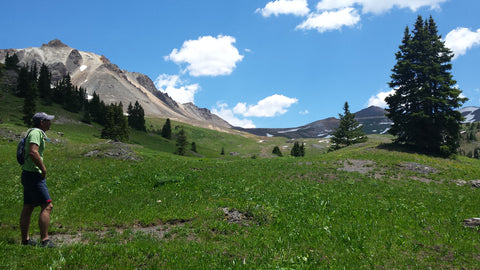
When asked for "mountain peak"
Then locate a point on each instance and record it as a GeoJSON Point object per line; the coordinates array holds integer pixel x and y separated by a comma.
{"type": "Point", "coordinates": [370, 111]}
{"type": "Point", "coordinates": [56, 43]}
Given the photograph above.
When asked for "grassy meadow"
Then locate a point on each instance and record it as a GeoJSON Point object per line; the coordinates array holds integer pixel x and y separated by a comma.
{"type": "Point", "coordinates": [369, 206]}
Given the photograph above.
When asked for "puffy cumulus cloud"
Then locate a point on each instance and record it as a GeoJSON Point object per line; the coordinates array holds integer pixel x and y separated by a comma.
{"type": "Point", "coordinates": [271, 106]}
{"type": "Point", "coordinates": [280, 7]}
{"type": "Point", "coordinates": [207, 56]}
{"type": "Point", "coordinates": [378, 6]}
{"type": "Point", "coordinates": [268, 107]}
{"type": "Point", "coordinates": [334, 14]}
{"type": "Point", "coordinates": [330, 20]}
{"type": "Point", "coordinates": [462, 39]}
{"type": "Point", "coordinates": [176, 88]}
{"type": "Point", "coordinates": [379, 99]}
{"type": "Point", "coordinates": [228, 115]}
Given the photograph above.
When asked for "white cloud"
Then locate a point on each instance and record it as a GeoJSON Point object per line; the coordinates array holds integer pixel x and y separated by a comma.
{"type": "Point", "coordinates": [229, 116]}
{"type": "Point", "coordinates": [379, 99]}
{"type": "Point", "coordinates": [334, 14]}
{"type": "Point", "coordinates": [176, 88]}
{"type": "Point", "coordinates": [271, 106]}
{"type": "Point", "coordinates": [283, 7]}
{"type": "Point", "coordinates": [462, 39]}
{"type": "Point", "coordinates": [379, 6]}
{"type": "Point", "coordinates": [331, 20]}
{"type": "Point", "coordinates": [268, 107]}
{"type": "Point", "coordinates": [207, 56]}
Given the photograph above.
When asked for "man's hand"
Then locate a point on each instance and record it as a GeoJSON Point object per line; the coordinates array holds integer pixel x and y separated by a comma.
{"type": "Point", "coordinates": [37, 159]}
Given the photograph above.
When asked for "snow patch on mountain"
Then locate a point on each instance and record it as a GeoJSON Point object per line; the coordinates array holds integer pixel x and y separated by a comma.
{"type": "Point", "coordinates": [469, 113]}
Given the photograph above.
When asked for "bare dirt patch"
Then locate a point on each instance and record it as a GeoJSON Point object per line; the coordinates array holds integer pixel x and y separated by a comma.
{"type": "Point", "coordinates": [157, 231]}
{"type": "Point", "coordinates": [237, 217]}
{"type": "Point", "coordinates": [361, 166]}
{"type": "Point", "coordinates": [113, 149]}
{"type": "Point", "coordinates": [418, 168]}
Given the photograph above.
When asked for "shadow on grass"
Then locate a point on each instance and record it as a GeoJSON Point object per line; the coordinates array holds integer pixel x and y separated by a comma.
{"type": "Point", "coordinates": [411, 149]}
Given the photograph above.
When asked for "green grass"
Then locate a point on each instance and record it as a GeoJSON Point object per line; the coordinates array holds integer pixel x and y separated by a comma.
{"type": "Point", "coordinates": [298, 213]}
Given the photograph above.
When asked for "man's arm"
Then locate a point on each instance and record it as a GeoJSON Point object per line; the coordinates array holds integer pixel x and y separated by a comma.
{"type": "Point", "coordinates": [37, 159]}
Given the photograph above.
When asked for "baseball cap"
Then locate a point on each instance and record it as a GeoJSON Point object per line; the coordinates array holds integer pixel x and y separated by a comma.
{"type": "Point", "coordinates": [42, 116]}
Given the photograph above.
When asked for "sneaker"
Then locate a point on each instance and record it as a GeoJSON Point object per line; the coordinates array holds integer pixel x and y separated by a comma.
{"type": "Point", "coordinates": [29, 242]}
{"type": "Point", "coordinates": [48, 244]}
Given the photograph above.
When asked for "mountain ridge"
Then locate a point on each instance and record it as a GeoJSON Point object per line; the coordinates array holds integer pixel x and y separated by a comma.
{"type": "Point", "coordinates": [372, 119]}
{"type": "Point", "coordinates": [96, 73]}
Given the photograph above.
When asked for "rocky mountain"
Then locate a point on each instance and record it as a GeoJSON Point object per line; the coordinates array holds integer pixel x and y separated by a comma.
{"type": "Point", "coordinates": [96, 73]}
{"type": "Point", "coordinates": [471, 114]}
{"type": "Point", "coordinates": [372, 119]}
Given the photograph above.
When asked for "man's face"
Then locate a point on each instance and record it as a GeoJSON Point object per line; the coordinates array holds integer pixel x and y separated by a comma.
{"type": "Point", "coordinates": [45, 125]}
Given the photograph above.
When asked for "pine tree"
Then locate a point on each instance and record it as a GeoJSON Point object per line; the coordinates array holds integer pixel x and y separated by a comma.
{"type": "Point", "coordinates": [194, 147]}
{"type": "Point", "coordinates": [44, 85]}
{"type": "Point", "coordinates": [96, 109]}
{"type": "Point", "coordinates": [23, 82]}
{"type": "Point", "coordinates": [136, 117]}
{"type": "Point", "coordinates": [295, 150]}
{"type": "Point", "coordinates": [115, 126]}
{"type": "Point", "coordinates": [301, 150]}
{"type": "Point", "coordinates": [423, 107]}
{"type": "Point", "coordinates": [11, 62]}
{"type": "Point", "coordinates": [348, 132]}
{"type": "Point", "coordinates": [181, 143]}
{"type": "Point", "coordinates": [167, 130]}
{"type": "Point", "coordinates": [29, 102]}
{"type": "Point", "coordinates": [276, 151]}
{"type": "Point", "coordinates": [131, 115]}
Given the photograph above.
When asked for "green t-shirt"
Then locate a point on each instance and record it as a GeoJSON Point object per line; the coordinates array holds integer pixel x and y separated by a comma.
{"type": "Point", "coordinates": [38, 137]}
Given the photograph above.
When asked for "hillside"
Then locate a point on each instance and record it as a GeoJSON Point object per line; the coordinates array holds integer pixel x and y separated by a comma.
{"type": "Point", "coordinates": [378, 208]}
{"type": "Point", "coordinates": [97, 74]}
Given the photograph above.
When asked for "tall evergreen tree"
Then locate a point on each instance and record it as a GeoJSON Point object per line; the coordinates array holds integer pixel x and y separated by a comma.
{"type": "Point", "coordinates": [423, 107]}
{"type": "Point", "coordinates": [181, 143]}
{"type": "Point", "coordinates": [301, 150]}
{"type": "Point", "coordinates": [194, 147]}
{"type": "Point", "coordinates": [167, 130]}
{"type": "Point", "coordinates": [295, 150]}
{"type": "Point", "coordinates": [44, 85]}
{"type": "Point", "coordinates": [348, 132]}
{"type": "Point", "coordinates": [29, 102]}
{"type": "Point", "coordinates": [115, 125]}
{"type": "Point", "coordinates": [96, 108]}
{"type": "Point", "coordinates": [276, 151]}
{"type": "Point", "coordinates": [11, 62]}
{"type": "Point", "coordinates": [136, 117]}
{"type": "Point", "coordinates": [23, 81]}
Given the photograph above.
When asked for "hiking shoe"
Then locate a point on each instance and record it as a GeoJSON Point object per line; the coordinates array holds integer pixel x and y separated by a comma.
{"type": "Point", "coordinates": [48, 244]}
{"type": "Point", "coordinates": [29, 242]}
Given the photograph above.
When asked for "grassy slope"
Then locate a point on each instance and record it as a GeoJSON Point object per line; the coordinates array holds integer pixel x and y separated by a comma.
{"type": "Point", "coordinates": [300, 212]}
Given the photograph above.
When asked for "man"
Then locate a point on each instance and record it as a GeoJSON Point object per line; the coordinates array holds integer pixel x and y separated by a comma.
{"type": "Point", "coordinates": [35, 191]}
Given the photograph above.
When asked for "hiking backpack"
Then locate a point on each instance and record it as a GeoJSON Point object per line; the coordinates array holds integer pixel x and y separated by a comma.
{"type": "Point", "coordinates": [21, 149]}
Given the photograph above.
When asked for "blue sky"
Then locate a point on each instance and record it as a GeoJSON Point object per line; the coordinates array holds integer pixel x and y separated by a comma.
{"type": "Point", "coordinates": [256, 63]}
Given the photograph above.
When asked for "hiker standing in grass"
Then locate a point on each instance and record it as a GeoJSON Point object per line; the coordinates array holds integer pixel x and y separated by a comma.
{"type": "Point", "coordinates": [35, 191]}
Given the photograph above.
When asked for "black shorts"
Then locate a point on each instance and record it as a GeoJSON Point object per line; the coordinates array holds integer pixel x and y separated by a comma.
{"type": "Point", "coordinates": [35, 189]}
